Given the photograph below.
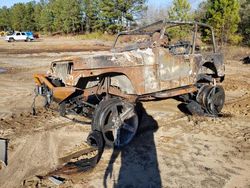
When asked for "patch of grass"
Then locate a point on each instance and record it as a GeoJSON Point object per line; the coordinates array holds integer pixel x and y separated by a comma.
{"type": "Point", "coordinates": [96, 36]}
{"type": "Point", "coordinates": [235, 52]}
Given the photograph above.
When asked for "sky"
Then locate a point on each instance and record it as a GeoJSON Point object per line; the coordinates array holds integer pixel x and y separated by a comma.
{"type": "Point", "coordinates": [9, 3]}
{"type": "Point", "coordinates": [165, 3]}
{"type": "Point", "coordinates": [156, 3]}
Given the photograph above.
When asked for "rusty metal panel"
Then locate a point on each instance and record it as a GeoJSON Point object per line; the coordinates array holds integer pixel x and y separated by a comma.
{"type": "Point", "coordinates": [41, 78]}
{"type": "Point", "coordinates": [135, 75]}
{"type": "Point", "coordinates": [172, 67]}
{"type": "Point", "coordinates": [176, 70]}
{"type": "Point", "coordinates": [61, 93]}
{"type": "Point", "coordinates": [3, 150]}
{"type": "Point", "coordinates": [150, 77]}
{"type": "Point", "coordinates": [124, 59]}
{"type": "Point", "coordinates": [62, 70]}
{"type": "Point", "coordinates": [184, 81]}
{"type": "Point", "coordinates": [218, 61]}
{"type": "Point", "coordinates": [152, 84]}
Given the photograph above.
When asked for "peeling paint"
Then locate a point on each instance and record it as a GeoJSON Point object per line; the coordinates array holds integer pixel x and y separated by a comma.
{"type": "Point", "coordinates": [149, 67]}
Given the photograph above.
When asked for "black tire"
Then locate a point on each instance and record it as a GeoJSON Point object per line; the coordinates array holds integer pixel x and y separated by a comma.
{"type": "Point", "coordinates": [11, 40]}
{"type": "Point", "coordinates": [117, 131]}
{"type": "Point", "coordinates": [95, 139]}
{"type": "Point", "coordinates": [194, 108]}
{"type": "Point", "coordinates": [215, 100]}
{"type": "Point", "coordinates": [212, 99]}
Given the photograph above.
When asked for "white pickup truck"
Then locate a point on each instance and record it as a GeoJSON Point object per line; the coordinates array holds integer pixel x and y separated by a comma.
{"type": "Point", "coordinates": [19, 36]}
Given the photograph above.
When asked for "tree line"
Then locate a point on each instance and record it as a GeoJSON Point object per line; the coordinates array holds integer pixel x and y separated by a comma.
{"type": "Point", "coordinates": [229, 18]}
{"type": "Point", "coordinates": [72, 16]}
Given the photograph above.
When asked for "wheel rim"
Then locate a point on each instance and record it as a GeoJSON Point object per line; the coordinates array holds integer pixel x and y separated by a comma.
{"type": "Point", "coordinates": [215, 100]}
{"type": "Point", "coordinates": [119, 123]}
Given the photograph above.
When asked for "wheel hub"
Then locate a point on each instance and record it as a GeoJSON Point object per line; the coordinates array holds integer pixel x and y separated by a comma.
{"type": "Point", "coordinates": [117, 122]}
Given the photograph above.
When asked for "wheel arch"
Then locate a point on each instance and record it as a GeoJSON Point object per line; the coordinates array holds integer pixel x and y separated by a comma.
{"type": "Point", "coordinates": [210, 66]}
{"type": "Point", "coordinates": [118, 79]}
{"type": "Point", "coordinates": [210, 70]}
{"type": "Point", "coordinates": [215, 63]}
{"type": "Point", "coordinates": [123, 82]}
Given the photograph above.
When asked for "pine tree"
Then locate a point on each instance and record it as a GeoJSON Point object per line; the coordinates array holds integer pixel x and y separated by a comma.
{"type": "Point", "coordinates": [90, 9]}
{"type": "Point", "coordinates": [4, 19]}
{"type": "Point", "coordinates": [46, 19]}
{"type": "Point", "coordinates": [200, 12]}
{"type": "Point", "coordinates": [223, 15]}
{"type": "Point", "coordinates": [66, 15]}
{"type": "Point", "coordinates": [117, 15]}
{"type": "Point", "coordinates": [69, 16]}
{"type": "Point", "coordinates": [16, 14]}
{"type": "Point", "coordinates": [110, 14]}
{"type": "Point", "coordinates": [244, 26]}
{"type": "Point", "coordinates": [180, 10]}
{"type": "Point", "coordinates": [37, 16]}
{"type": "Point", "coordinates": [28, 20]}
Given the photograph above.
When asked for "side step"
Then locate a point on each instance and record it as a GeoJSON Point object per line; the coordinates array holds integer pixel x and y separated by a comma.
{"type": "Point", "coordinates": [170, 92]}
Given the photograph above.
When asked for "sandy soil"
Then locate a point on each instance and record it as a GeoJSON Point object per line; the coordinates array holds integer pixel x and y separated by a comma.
{"type": "Point", "coordinates": [53, 44]}
{"type": "Point", "coordinates": [170, 150]}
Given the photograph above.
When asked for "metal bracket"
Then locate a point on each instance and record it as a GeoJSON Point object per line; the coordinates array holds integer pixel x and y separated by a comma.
{"type": "Point", "coordinates": [4, 150]}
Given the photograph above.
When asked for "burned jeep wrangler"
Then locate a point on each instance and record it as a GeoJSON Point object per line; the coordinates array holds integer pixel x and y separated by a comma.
{"type": "Point", "coordinates": [106, 87]}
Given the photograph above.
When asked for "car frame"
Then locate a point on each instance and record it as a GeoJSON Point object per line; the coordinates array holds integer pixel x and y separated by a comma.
{"type": "Point", "coordinates": [107, 87]}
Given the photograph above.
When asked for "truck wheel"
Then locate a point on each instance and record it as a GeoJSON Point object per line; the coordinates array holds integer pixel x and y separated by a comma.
{"type": "Point", "coordinates": [11, 40]}
{"type": "Point", "coordinates": [211, 98]}
{"type": "Point", "coordinates": [117, 120]}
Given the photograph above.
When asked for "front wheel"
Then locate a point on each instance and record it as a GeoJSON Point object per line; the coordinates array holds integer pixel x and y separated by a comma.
{"type": "Point", "coordinates": [11, 40]}
{"type": "Point", "coordinates": [117, 120]}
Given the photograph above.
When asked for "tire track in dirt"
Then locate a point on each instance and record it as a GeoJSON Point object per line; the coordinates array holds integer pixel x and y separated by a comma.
{"type": "Point", "coordinates": [37, 142]}
{"type": "Point", "coordinates": [211, 149]}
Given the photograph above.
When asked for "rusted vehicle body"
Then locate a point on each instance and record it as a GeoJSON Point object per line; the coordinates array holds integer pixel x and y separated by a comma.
{"type": "Point", "coordinates": [107, 86]}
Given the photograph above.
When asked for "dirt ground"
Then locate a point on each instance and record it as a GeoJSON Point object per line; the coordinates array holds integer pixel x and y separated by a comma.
{"type": "Point", "coordinates": [174, 150]}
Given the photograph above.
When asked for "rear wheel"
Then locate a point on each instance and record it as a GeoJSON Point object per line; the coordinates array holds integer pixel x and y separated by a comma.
{"type": "Point", "coordinates": [211, 98]}
{"type": "Point", "coordinates": [117, 120]}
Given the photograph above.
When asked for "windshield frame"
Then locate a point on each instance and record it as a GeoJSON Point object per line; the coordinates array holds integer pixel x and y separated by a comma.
{"type": "Point", "coordinates": [162, 25]}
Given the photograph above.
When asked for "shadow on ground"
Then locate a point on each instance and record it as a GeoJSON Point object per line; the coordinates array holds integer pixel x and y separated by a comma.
{"type": "Point", "coordinates": [139, 164]}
